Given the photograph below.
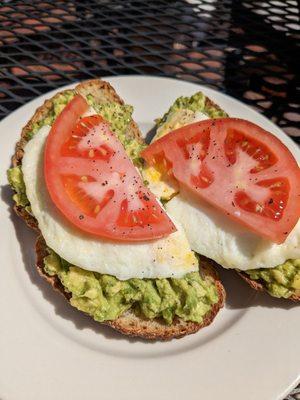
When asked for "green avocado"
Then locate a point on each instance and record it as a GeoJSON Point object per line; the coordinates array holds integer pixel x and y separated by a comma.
{"type": "Point", "coordinates": [58, 104]}
{"type": "Point", "coordinates": [281, 281]}
{"type": "Point", "coordinates": [194, 103]}
{"type": "Point", "coordinates": [15, 179]}
{"type": "Point", "coordinates": [106, 298]}
{"type": "Point", "coordinates": [119, 117]}
{"type": "Point", "coordinates": [182, 113]}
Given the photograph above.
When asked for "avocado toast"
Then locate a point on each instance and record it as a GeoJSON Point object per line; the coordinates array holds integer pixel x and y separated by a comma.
{"type": "Point", "coordinates": [135, 318]}
{"type": "Point", "coordinates": [282, 280]}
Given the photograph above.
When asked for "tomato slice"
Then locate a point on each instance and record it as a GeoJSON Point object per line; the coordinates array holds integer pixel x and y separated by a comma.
{"type": "Point", "coordinates": [94, 184]}
{"type": "Point", "coordinates": [238, 167]}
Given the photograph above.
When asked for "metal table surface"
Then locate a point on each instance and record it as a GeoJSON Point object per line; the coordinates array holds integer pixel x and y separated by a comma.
{"type": "Point", "coordinates": [248, 49]}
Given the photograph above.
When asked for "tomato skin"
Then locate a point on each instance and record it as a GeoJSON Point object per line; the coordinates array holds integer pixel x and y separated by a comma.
{"type": "Point", "coordinates": [94, 184]}
{"type": "Point", "coordinates": [75, 108]}
{"type": "Point", "coordinates": [245, 172]}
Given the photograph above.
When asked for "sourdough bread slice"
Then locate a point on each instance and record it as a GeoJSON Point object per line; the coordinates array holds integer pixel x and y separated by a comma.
{"type": "Point", "coordinates": [255, 284]}
{"type": "Point", "coordinates": [128, 323]}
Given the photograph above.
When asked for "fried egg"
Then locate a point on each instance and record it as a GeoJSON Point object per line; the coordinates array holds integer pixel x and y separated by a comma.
{"type": "Point", "coordinates": [167, 257]}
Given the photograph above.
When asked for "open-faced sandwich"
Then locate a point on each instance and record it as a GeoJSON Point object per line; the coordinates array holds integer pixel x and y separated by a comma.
{"type": "Point", "coordinates": [105, 241]}
{"type": "Point", "coordinates": [234, 187]}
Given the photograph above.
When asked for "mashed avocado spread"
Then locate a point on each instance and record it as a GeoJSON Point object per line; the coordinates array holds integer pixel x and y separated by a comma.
{"type": "Point", "coordinates": [281, 281]}
{"type": "Point", "coordinates": [105, 298]}
{"type": "Point", "coordinates": [15, 179]}
{"type": "Point", "coordinates": [120, 116]}
{"type": "Point", "coordinates": [61, 100]}
{"type": "Point", "coordinates": [197, 102]}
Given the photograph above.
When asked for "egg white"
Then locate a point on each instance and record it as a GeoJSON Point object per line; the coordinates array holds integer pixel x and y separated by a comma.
{"type": "Point", "coordinates": [216, 236]}
{"type": "Point", "coordinates": [167, 257]}
{"type": "Point", "coordinates": [162, 188]}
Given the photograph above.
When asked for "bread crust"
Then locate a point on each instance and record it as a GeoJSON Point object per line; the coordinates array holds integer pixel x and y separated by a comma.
{"type": "Point", "coordinates": [128, 323]}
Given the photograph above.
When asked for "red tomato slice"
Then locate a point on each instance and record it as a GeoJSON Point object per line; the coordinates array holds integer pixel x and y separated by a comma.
{"type": "Point", "coordinates": [93, 182]}
{"type": "Point", "coordinates": [239, 168]}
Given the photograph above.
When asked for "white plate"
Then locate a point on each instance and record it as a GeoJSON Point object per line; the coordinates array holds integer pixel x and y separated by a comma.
{"type": "Point", "coordinates": [48, 350]}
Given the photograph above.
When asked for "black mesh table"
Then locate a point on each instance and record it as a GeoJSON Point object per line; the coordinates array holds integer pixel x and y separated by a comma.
{"type": "Point", "coordinates": [248, 49]}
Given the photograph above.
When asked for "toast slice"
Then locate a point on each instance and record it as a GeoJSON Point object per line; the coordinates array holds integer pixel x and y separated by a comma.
{"type": "Point", "coordinates": [213, 110]}
{"type": "Point", "coordinates": [128, 323]}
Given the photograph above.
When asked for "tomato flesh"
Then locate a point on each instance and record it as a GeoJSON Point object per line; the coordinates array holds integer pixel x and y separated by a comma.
{"type": "Point", "coordinates": [94, 184]}
{"type": "Point", "coordinates": [238, 167]}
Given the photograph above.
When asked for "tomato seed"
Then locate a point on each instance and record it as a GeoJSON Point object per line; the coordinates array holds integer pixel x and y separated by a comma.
{"type": "Point", "coordinates": [258, 208]}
